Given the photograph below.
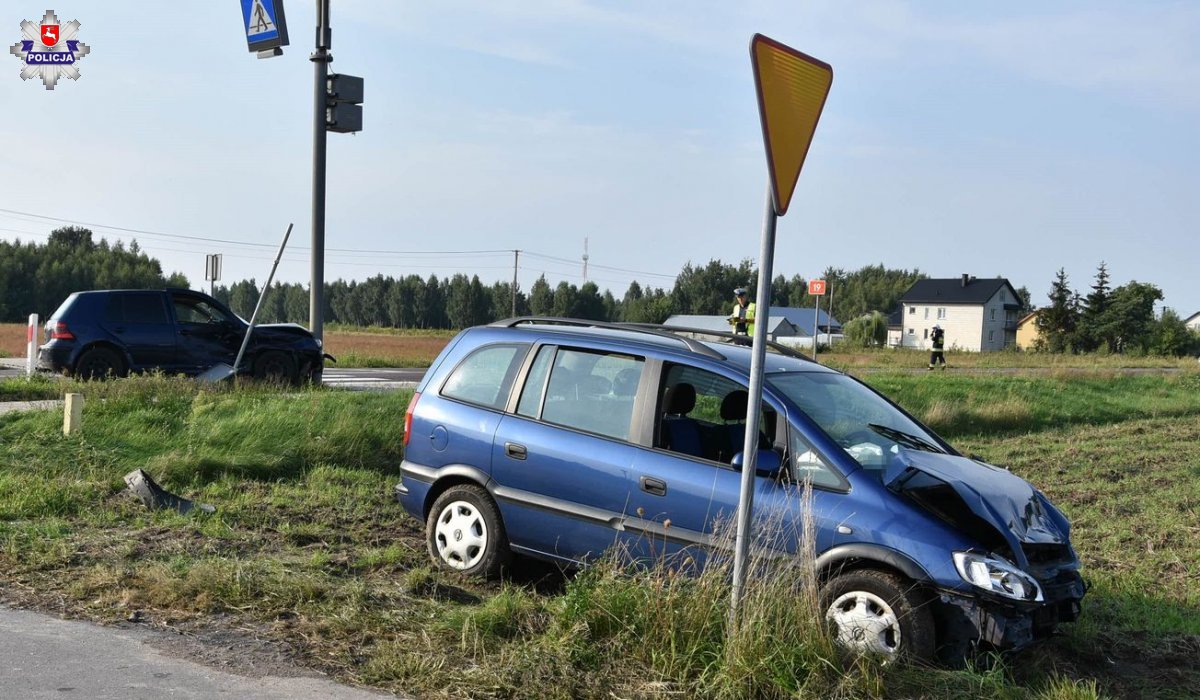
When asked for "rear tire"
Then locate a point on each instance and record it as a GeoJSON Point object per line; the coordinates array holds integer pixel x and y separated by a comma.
{"type": "Point", "coordinates": [99, 363]}
{"type": "Point", "coordinates": [275, 367]}
{"type": "Point", "coordinates": [874, 612]}
{"type": "Point", "coordinates": [465, 533]}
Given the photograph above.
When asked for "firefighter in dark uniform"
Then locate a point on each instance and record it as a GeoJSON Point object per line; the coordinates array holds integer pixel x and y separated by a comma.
{"type": "Point", "coordinates": [939, 343]}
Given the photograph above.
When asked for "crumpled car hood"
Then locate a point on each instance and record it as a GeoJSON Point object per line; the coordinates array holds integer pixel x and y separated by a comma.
{"type": "Point", "coordinates": [1017, 511]}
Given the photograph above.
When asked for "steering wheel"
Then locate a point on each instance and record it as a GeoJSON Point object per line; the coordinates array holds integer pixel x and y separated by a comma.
{"type": "Point", "coordinates": [856, 437]}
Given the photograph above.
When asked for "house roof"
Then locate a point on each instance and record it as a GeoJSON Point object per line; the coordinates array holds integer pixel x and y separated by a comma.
{"type": "Point", "coordinates": [1028, 317]}
{"type": "Point", "coordinates": [1192, 319]}
{"type": "Point", "coordinates": [802, 318]}
{"type": "Point", "coordinates": [775, 324]}
{"type": "Point", "coordinates": [955, 291]}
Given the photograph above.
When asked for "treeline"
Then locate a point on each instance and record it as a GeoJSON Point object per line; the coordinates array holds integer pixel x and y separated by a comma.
{"type": "Point", "coordinates": [460, 301]}
{"type": "Point", "coordinates": [35, 278]}
{"type": "Point", "coordinates": [1109, 320]}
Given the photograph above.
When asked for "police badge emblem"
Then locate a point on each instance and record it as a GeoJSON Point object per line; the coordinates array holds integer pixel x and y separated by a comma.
{"type": "Point", "coordinates": [56, 52]}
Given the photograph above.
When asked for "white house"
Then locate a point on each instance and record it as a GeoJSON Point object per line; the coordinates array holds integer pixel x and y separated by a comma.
{"type": "Point", "coordinates": [979, 315]}
{"type": "Point", "coordinates": [1193, 322]}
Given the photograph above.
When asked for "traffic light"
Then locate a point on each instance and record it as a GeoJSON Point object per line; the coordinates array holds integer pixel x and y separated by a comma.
{"type": "Point", "coordinates": [343, 103]}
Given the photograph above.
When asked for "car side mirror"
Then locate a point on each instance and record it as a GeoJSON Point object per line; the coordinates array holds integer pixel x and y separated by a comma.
{"type": "Point", "coordinates": [768, 463]}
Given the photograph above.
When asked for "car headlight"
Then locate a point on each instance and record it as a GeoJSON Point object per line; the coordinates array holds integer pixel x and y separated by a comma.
{"type": "Point", "coordinates": [998, 576]}
{"type": "Point", "coordinates": [319, 343]}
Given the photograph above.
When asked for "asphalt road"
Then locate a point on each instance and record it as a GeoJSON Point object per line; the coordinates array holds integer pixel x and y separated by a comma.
{"type": "Point", "coordinates": [359, 379]}
{"type": "Point", "coordinates": [45, 657]}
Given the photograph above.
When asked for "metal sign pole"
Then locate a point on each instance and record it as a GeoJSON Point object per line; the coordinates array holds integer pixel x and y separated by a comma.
{"type": "Point", "coordinates": [816, 315]}
{"type": "Point", "coordinates": [321, 59]}
{"type": "Point", "coordinates": [758, 357]}
{"type": "Point", "coordinates": [261, 295]}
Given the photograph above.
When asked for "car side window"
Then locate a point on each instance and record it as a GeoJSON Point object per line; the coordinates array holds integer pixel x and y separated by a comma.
{"type": "Point", "coordinates": [137, 309]}
{"type": "Point", "coordinates": [806, 464]}
{"type": "Point", "coordinates": [703, 414]}
{"type": "Point", "coordinates": [190, 310]}
{"type": "Point", "coordinates": [535, 382]}
{"type": "Point", "coordinates": [485, 376]}
{"type": "Point", "coordinates": [591, 391]}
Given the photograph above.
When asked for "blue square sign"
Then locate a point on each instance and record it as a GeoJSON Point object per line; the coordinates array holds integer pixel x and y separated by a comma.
{"type": "Point", "coordinates": [265, 25]}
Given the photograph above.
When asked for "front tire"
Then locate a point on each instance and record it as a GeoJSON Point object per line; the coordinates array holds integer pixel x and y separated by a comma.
{"type": "Point", "coordinates": [275, 367]}
{"type": "Point", "coordinates": [465, 533]}
{"type": "Point", "coordinates": [99, 363]}
{"type": "Point", "coordinates": [874, 612]}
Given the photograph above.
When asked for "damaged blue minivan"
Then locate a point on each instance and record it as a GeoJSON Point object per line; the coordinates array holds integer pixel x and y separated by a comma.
{"type": "Point", "coordinates": [559, 439]}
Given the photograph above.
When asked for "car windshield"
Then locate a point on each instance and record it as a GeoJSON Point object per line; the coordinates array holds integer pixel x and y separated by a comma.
{"type": "Point", "coordinates": [868, 428]}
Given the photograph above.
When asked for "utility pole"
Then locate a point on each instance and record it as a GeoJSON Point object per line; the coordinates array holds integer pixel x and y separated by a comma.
{"type": "Point", "coordinates": [516, 259]}
{"type": "Point", "coordinates": [321, 59]}
{"type": "Point", "coordinates": [585, 258]}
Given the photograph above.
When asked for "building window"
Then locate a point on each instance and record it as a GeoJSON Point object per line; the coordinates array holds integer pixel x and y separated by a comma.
{"type": "Point", "coordinates": [991, 335]}
{"type": "Point", "coordinates": [926, 334]}
{"type": "Point", "coordinates": [941, 313]}
{"type": "Point", "coordinates": [911, 332]}
{"type": "Point", "coordinates": [1002, 296]}
{"type": "Point", "coordinates": [912, 310]}
{"type": "Point", "coordinates": [926, 313]}
{"type": "Point", "coordinates": [993, 314]}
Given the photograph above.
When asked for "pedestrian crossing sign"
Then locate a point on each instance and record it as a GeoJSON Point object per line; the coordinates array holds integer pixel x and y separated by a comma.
{"type": "Point", "coordinates": [265, 25]}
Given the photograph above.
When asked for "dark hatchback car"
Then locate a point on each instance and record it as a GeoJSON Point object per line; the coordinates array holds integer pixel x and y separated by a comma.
{"type": "Point", "coordinates": [560, 439]}
{"type": "Point", "coordinates": [178, 331]}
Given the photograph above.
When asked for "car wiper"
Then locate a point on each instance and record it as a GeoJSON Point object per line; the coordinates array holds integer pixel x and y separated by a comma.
{"type": "Point", "coordinates": [906, 439]}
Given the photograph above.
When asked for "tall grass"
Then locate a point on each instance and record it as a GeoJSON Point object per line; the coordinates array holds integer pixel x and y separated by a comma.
{"type": "Point", "coordinates": [187, 436]}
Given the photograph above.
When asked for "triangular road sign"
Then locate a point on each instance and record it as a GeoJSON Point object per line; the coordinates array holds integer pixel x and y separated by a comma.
{"type": "Point", "coordinates": [792, 88]}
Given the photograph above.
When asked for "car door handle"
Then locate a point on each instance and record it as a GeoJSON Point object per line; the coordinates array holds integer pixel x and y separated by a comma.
{"type": "Point", "coordinates": [654, 487]}
{"type": "Point", "coordinates": [515, 451]}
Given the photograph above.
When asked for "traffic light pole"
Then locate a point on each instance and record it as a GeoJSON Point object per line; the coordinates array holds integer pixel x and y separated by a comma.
{"type": "Point", "coordinates": [321, 59]}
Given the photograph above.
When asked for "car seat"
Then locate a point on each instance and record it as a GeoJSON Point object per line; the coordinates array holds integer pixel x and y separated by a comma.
{"type": "Point", "coordinates": [680, 433]}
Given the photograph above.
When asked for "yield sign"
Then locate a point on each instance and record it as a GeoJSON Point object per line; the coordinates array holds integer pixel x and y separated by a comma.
{"type": "Point", "coordinates": [792, 88]}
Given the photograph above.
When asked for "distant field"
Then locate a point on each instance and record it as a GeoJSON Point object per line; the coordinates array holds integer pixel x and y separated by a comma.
{"type": "Point", "coordinates": [353, 347]}
{"type": "Point", "coordinates": [394, 347]}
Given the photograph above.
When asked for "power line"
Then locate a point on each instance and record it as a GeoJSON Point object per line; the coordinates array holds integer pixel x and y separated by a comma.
{"type": "Point", "coordinates": [347, 252]}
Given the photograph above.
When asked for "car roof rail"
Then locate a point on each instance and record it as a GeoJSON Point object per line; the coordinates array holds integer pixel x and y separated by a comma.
{"type": "Point", "coordinates": [690, 343]}
{"type": "Point", "coordinates": [724, 336]}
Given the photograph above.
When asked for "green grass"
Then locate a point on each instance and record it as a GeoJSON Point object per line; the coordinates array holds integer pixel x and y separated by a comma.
{"type": "Point", "coordinates": [308, 546]}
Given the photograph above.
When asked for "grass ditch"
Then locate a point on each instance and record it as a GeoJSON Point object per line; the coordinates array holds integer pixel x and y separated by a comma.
{"type": "Point", "coordinates": [307, 546]}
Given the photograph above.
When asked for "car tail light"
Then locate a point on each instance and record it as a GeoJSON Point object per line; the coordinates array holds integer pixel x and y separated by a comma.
{"type": "Point", "coordinates": [408, 414]}
{"type": "Point", "coordinates": [61, 332]}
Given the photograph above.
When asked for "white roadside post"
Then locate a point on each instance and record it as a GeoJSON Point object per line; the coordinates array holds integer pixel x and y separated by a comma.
{"type": "Point", "coordinates": [31, 345]}
{"type": "Point", "coordinates": [72, 414]}
{"type": "Point", "coordinates": [791, 88]}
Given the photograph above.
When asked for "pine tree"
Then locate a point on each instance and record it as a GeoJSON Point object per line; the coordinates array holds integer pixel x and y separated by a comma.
{"type": "Point", "coordinates": [1057, 323]}
{"type": "Point", "coordinates": [1090, 335]}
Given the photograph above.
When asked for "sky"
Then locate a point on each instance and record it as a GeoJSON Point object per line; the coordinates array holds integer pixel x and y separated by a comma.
{"type": "Point", "coordinates": [993, 139]}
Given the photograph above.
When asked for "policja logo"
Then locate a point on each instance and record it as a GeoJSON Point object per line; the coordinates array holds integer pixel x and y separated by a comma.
{"type": "Point", "coordinates": [59, 50]}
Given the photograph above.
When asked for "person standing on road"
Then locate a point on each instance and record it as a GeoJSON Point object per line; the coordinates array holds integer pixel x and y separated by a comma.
{"type": "Point", "coordinates": [742, 318]}
{"type": "Point", "coordinates": [939, 342]}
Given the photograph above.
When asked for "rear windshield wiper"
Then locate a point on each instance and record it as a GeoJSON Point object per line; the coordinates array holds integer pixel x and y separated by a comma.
{"type": "Point", "coordinates": [906, 439]}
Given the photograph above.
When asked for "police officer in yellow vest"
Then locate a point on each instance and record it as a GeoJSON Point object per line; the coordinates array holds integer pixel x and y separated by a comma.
{"type": "Point", "coordinates": [742, 318]}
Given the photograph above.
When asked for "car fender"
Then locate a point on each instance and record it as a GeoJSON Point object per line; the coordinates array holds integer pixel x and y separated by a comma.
{"type": "Point", "coordinates": [108, 345]}
{"type": "Point", "coordinates": [442, 478]}
{"type": "Point", "coordinates": [855, 554]}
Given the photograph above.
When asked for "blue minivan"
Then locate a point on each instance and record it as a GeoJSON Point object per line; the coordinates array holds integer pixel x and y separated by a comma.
{"type": "Point", "coordinates": [559, 439]}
